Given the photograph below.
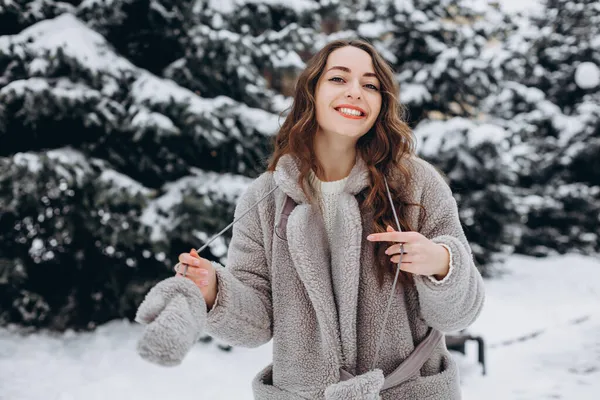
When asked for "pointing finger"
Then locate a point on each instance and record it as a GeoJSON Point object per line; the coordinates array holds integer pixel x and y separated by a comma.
{"type": "Point", "coordinates": [402, 237]}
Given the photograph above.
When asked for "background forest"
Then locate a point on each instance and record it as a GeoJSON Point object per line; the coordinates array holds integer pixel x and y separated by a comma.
{"type": "Point", "coordinates": [128, 129]}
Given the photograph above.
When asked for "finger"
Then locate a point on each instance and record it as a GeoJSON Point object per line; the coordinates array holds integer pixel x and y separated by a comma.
{"type": "Point", "coordinates": [401, 237]}
{"type": "Point", "coordinates": [194, 253]}
{"type": "Point", "coordinates": [405, 265]}
{"type": "Point", "coordinates": [187, 258]}
{"type": "Point", "coordinates": [406, 259]}
{"type": "Point", "coordinates": [191, 270]}
{"type": "Point", "coordinates": [397, 249]}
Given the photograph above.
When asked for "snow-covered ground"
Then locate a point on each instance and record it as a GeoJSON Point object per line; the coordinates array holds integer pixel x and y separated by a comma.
{"type": "Point", "coordinates": [541, 322]}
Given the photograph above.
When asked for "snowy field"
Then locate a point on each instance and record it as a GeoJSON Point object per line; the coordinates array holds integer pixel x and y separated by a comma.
{"type": "Point", "coordinates": [541, 322]}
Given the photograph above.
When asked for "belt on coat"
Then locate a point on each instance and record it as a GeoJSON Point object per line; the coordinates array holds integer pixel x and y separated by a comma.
{"type": "Point", "coordinates": [411, 365]}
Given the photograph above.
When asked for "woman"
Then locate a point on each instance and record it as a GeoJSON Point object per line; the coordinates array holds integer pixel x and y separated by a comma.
{"type": "Point", "coordinates": [319, 286]}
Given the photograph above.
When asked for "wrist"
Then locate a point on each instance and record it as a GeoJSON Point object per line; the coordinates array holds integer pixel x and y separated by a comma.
{"type": "Point", "coordinates": [445, 264]}
{"type": "Point", "coordinates": [212, 298]}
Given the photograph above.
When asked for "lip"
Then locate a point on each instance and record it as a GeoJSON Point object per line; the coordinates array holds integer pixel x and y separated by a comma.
{"type": "Point", "coordinates": [353, 108]}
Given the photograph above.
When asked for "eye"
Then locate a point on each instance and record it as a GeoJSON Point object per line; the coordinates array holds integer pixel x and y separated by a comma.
{"type": "Point", "coordinates": [371, 86]}
{"type": "Point", "coordinates": [335, 79]}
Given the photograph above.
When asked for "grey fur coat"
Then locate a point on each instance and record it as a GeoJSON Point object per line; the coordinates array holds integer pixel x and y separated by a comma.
{"type": "Point", "coordinates": [322, 306]}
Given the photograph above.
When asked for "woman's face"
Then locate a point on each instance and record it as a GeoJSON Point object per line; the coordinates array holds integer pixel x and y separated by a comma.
{"type": "Point", "coordinates": [347, 94]}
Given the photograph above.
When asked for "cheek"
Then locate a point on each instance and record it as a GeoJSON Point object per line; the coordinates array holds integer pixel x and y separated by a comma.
{"type": "Point", "coordinates": [323, 102]}
{"type": "Point", "coordinates": [375, 109]}
{"type": "Point", "coordinates": [320, 100]}
{"type": "Point", "coordinates": [320, 109]}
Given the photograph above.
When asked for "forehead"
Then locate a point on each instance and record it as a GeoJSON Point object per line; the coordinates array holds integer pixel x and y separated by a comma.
{"type": "Point", "coordinates": [359, 61]}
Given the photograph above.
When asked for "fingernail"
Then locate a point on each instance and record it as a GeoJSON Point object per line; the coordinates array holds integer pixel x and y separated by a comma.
{"type": "Point", "coordinates": [369, 237]}
{"type": "Point", "coordinates": [203, 283]}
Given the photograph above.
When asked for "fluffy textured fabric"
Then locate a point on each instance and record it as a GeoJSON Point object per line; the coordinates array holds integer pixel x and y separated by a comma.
{"type": "Point", "coordinates": [174, 313]}
{"type": "Point", "coordinates": [362, 387]}
{"type": "Point", "coordinates": [281, 288]}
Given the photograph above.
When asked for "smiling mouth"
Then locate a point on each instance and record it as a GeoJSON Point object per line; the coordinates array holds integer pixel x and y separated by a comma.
{"type": "Point", "coordinates": [350, 113]}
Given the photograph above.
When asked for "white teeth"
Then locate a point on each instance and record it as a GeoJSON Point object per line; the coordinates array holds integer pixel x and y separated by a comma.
{"type": "Point", "coordinates": [350, 111]}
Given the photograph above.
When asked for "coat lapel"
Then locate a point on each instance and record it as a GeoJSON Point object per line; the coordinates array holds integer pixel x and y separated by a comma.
{"type": "Point", "coordinates": [315, 262]}
{"type": "Point", "coordinates": [345, 262]}
{"type": "Point", "coordinates": [307, 242]}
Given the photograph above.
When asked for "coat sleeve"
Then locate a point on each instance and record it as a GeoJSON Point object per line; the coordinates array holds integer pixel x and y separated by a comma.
{"type": "Point", "coordinates": [242, 315]}
{"type": "Point", "coordinates": [453, 303]}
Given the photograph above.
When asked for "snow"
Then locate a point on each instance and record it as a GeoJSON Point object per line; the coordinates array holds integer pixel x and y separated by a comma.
{"type": "Point", "coordinates": [253, 118]}
{"type": "Point", "coordinates": [63, 156]}
{"type": "Point", "coordinates": [540, 321]}
{"type": "Point", "coordinates": [486, 133]}
{"type": "Point", "coordinates": [121, 182]}
{"type": "Point", "coordinates": [67, 34]}
{"type": "Point", "coordinates": [147, 119]}
{"type": "Point", "coordinates": [153, 91]}
{"type": "Point", "coordinates": [29, 160]}
{"type": "Point", "coordinates": [289, 59]}
{"type": "Point", "coordinates": [230, 6]}
{"type": "Point", "coordinates": [524, 6]}
{"type": "Point", "coordinates": [61, 88]}
{"type": "Point", "coordinates": [374, 30]}
{"type": "Point", "coordinates": [434, 137]}
{"type": "Point", "coordinates": [411, 93]}
{"type": "Point", "coordinates": [404, 5]}
{"type": "Point", "coordinates": [587, 75]}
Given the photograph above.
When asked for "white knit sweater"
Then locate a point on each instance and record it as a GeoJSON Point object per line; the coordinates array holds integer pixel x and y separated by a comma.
{"type": "Point", "coordinates": [328, 193]}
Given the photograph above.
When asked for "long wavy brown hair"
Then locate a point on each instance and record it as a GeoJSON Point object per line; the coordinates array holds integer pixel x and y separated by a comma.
{"type": "Point", "coordinates": [384, 148]}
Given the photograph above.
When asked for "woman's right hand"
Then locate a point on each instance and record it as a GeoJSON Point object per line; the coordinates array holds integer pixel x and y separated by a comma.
{"type": "Point", "coordinates": [202, 273]}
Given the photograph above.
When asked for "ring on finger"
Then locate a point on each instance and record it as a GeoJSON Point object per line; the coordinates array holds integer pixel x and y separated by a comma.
{"type": "Point", "coordinates": [185, 272]}
{"type": "Point", "coordinates": [185, 269]}
{"type": "Point", "coordinates": [400, 251]}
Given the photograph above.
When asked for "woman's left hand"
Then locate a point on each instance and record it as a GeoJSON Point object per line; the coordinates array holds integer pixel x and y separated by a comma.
{"type": "Point", "coordinates": [421, 255]}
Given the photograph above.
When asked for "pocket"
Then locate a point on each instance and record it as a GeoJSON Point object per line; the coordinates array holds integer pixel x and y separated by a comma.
{"type": "Point", "coordinates": [444, 385]}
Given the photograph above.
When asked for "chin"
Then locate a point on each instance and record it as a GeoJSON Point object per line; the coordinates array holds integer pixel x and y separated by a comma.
{"type": "Point", "coordinates": [353, 135]}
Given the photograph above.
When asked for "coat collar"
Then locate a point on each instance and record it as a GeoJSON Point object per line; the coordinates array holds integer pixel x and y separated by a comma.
{"type": "Point", "coordinates": [287, 173]}
{"type": "Point", "coordinates": [330, 275]}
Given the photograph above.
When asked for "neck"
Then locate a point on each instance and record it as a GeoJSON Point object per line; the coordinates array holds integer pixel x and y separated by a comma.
{"type": "Point", "coordinates": [336, 158]}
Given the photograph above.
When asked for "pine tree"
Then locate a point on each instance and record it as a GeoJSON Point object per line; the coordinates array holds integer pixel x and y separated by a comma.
{"type": "Point", "coordinates": [72, 241]}
{"type": "Point", "coordinates": [549, 48]}
{"type": "Point", "coordinates": [143, 127]}
{"type": "Point", "coordinates": [555, 127]}
{"type": "Point", "coordinates": [472, 157]}
{"type": "Point", "coordinates": [435, 46]}
{"type": "Point", "coordinates": [16, 15]}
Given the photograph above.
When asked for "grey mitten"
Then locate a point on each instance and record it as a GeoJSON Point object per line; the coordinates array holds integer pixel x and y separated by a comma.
{"type": "Point", "coordinates": [174, 313]}
{"type": "Point", "coordinates": [362, 387]}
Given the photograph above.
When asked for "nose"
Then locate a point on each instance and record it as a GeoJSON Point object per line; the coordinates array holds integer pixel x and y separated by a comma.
{"type": "Point", "coordinates": [353, 91]}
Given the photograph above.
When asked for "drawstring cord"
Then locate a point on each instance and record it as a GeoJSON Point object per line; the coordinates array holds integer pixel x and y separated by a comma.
{"type": "Point", "coordinates": [389, 304]}
{"type": "Point", "coordinates": [224, 230]}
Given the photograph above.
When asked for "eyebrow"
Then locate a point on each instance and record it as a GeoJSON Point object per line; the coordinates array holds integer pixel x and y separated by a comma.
{"type": "Point", "coordinates": [346, 69]}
